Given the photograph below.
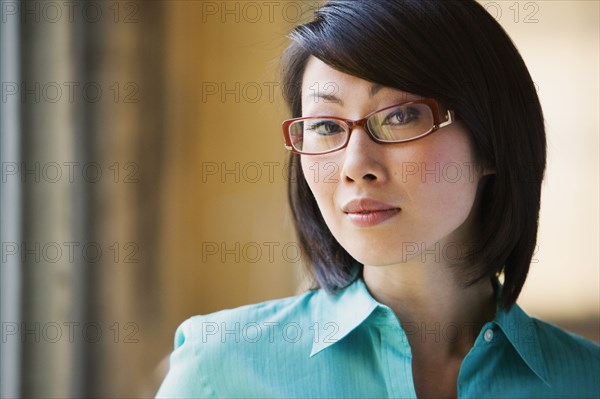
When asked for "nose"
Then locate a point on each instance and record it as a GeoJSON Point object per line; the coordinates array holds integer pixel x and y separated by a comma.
{"type": "Point", "coordinates": [363, 158]}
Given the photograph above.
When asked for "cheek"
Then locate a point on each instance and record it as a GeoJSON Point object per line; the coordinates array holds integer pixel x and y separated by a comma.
{"type": "Point", "coordinates": [322, 175]}
{"type": "Point", "coordinates": [320, 172]}
{"type": "Point", "coordinates": [441, 178]}
{"type": "Point", "coordinates": [443, 158]}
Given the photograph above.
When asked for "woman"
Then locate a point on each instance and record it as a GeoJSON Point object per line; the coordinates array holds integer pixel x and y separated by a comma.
{"type": "Point", "coordinates": [419, 146]}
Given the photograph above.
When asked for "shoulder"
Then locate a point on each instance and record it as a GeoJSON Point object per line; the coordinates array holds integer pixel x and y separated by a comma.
{"type": "Point", "coordinates": [245, 322]}
{"type": "Point", "coordinates": [223, 353]}
{"type": "Point", "coordinates": [572, 361]}
{"type": "Point", "coordinates": [560, 343]}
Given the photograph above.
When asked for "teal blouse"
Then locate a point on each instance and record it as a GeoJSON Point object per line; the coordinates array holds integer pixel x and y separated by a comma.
{"type": "Point", "coordinates": [349, 345]}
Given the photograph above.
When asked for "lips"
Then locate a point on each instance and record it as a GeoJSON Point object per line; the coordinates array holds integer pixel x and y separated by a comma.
{"type": "Point", "coordinates": [366, 212]}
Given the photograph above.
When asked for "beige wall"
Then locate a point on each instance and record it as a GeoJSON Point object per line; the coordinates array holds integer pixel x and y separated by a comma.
{"type": "Point", "coordinates": [227, 235]}
{"type": "Point", "coordinates": [559, 41]}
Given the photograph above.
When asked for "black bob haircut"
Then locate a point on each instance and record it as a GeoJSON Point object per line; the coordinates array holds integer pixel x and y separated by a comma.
{"type": "Point", "coordinates": [455, 52]}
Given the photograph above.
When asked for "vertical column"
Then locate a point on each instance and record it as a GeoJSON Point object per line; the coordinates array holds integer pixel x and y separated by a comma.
{"type": "Point", "coordinates": [124, 55]}
{"type": "Point", "coordinates": [50, 276]}
{"type": "Point", "coordinates": [10, 203]}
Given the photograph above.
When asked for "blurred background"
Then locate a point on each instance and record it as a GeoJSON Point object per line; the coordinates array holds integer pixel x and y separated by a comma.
{"type": "Point", "coordinates": [143, 178]}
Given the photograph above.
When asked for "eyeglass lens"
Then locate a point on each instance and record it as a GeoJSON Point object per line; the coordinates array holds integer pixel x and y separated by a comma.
{"type": "Point", "coordinates": [401, 123]}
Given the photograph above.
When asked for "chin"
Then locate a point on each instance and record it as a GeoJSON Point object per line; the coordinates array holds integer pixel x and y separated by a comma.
{"type": "Point", "coordinates": [373, 257]}
{"type": "Point", "coordinates": [389, 253]}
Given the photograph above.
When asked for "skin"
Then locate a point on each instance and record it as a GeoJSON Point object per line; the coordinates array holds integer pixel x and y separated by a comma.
{"type": "Point", "coordinates": [406, 258]}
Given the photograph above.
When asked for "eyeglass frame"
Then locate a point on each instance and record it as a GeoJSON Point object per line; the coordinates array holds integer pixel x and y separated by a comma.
{"type": "Point", "coordinates": [433, 105]}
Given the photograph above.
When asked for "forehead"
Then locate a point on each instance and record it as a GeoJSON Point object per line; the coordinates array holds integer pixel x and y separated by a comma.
{"type": "Point", "coordinates": [316, 71]}
{"type": "Point", "coordinates": [322, 83]}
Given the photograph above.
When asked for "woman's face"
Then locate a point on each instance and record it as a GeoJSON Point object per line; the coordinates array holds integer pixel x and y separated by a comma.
{"type": "Point", "coordinates": [388, 203]}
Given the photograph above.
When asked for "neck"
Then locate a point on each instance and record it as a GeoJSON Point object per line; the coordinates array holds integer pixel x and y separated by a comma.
{"type": "Point", "coordinates": [437, 312]}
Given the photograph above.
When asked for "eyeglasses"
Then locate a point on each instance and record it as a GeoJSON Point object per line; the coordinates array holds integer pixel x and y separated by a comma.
{"type": "Point", "coordinates": [395, 124]}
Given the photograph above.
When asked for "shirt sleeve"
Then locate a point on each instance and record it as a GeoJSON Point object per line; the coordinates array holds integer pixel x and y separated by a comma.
{"type": "Point", "coordinates": [186, 378]}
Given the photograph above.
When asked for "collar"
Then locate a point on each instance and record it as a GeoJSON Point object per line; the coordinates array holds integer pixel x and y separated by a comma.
{"type": "Point", "coordinates": [521, 331]}
{"type": "Point", "coordinates": [345, 310]}
{"type": "Point", "coordinates": [352, 305]}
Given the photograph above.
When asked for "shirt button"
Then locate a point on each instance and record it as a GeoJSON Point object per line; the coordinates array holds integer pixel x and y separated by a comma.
{"type": "Point", "coordinates": [488, 335]}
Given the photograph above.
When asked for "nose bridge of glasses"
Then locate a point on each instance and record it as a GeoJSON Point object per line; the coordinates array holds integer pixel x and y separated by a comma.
{"type": "Point", "coordinates": [359, 123]}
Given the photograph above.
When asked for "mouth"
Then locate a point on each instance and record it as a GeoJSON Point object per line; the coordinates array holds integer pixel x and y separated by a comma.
{"type": "Point", "coordinates": [366, 212]}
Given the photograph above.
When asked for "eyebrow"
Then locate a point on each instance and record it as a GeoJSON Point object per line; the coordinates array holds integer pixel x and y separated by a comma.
{"type": "Point", "coordinates": [329, 98]}
{"type": "Point", "coordinates": [332, 98]}
{"type": "Point", "coordinates": [374, 89]}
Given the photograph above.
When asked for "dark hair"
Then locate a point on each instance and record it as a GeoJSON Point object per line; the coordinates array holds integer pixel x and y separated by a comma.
{"type": "Point", "coordinates": [455, 52]}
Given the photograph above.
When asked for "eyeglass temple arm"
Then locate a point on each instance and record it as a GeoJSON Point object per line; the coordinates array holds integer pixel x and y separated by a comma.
{"type": "Point", "coordinates": [450, 117]}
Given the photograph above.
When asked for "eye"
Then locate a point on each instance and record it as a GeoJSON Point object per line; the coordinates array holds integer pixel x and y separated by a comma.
{"type": "Point", "coordinates": [324, 127]}
{"type": "Point", "coordinates": [401, 116]}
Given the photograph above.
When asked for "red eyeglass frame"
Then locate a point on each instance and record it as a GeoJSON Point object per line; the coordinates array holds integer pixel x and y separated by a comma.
{"type": "Point", "coordinates": [438, 123]}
